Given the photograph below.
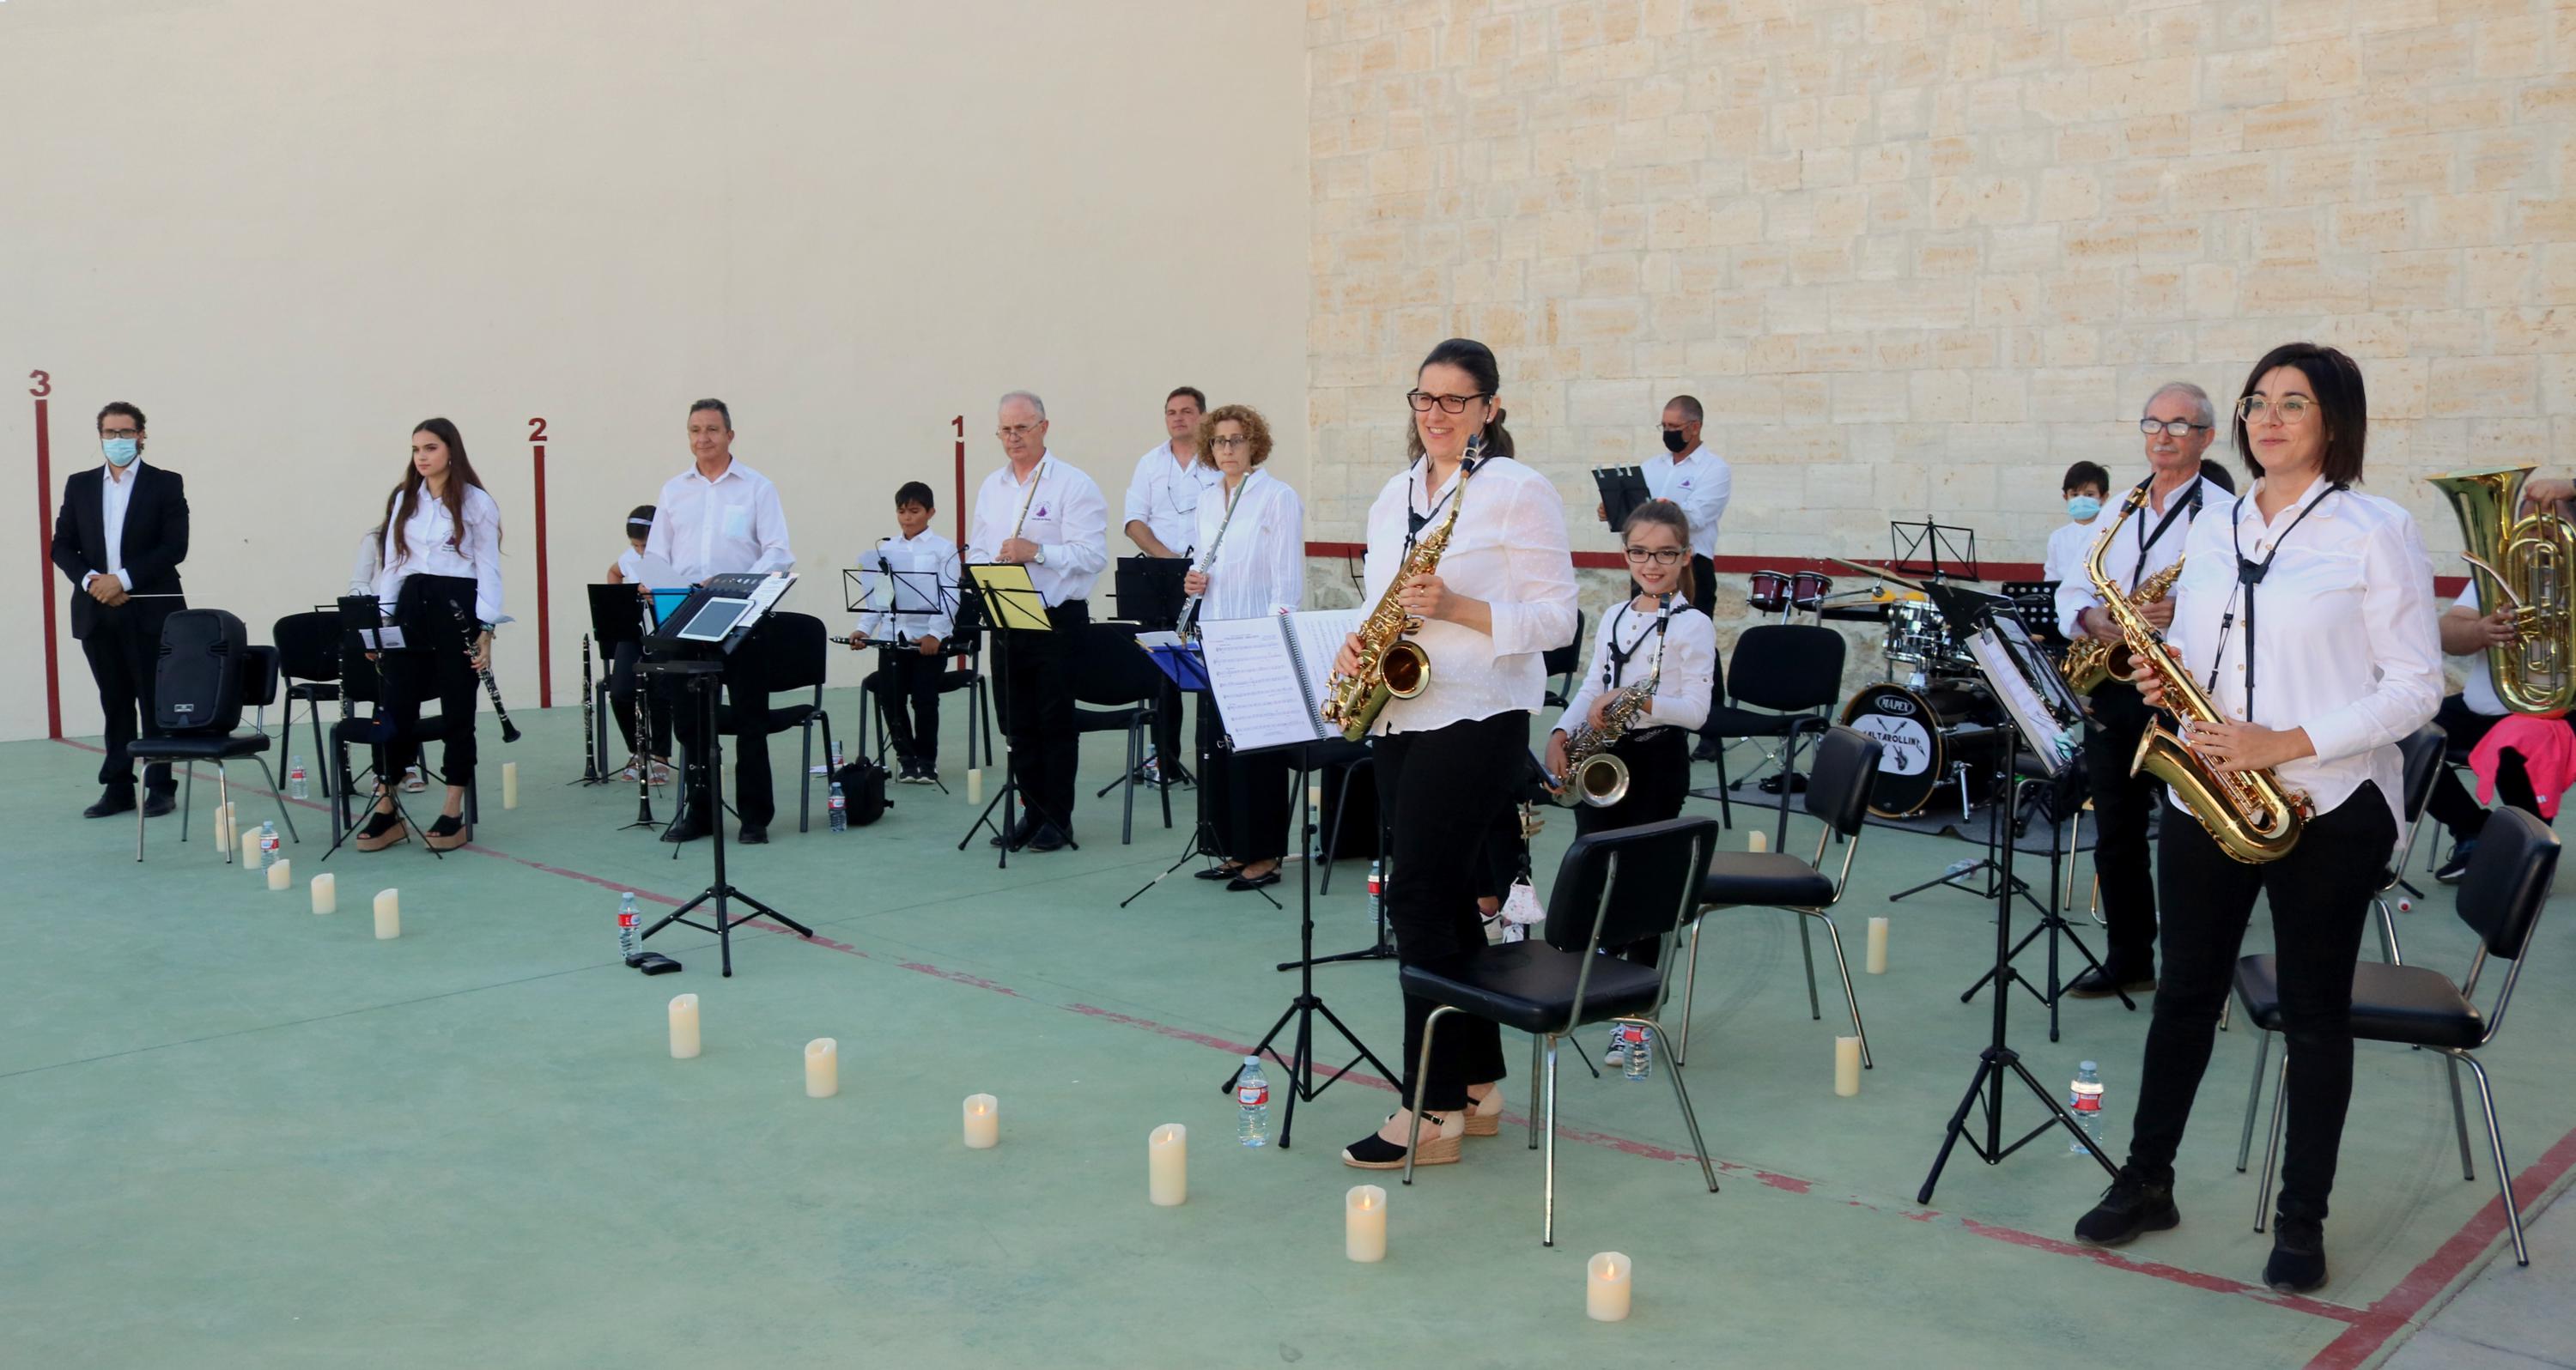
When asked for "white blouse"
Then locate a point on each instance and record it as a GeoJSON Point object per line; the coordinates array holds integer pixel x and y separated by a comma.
{"type": "Point", "coordinates": [1260, 567]}
{"type": "Point", "coordinates": [2345, 644]}
{"type": "Point", "coordinates": [1690, 666]}
{"type": "Point", "coordinates": [427, 532]}
{"type": "Point", "coordinates": [1508, 549]}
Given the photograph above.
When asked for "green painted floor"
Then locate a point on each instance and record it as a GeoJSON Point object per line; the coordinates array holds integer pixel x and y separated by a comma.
{"type": "Point", "coordinates": [238, 1134]}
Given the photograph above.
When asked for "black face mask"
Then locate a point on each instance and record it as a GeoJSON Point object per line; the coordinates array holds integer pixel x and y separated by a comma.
{"type": "Point", "coordinates": [1674, 442]}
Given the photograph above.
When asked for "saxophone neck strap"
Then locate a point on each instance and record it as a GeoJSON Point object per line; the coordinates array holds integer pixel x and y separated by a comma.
{"type": "Point", "coordinates": [2188, 508]}
{"type": "Point", "coordinates": [2249, 575]}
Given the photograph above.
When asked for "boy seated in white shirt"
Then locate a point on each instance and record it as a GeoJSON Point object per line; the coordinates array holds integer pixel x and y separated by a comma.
{"type": "Point", "coordinates": [911, 607]}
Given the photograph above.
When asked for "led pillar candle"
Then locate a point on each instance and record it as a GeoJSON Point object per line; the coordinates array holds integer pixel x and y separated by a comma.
{"type": "Point", "coordinates": [326, 893]}
{"type": "Point", "coordinates": [1758, 841]}
{"type": "Point", "coordinates": [1167, 1158]}
{"type": "Point", "coordinates": [684, 1027]}
{"type": "Point", "coordinates": [822, 1063]}
{"type": "Point", "coordinates": [282, 875]}
{"type": "Point", "coordinates": [1364, 1223]}
{"type": "Point", "coordinates": [1846, 1066]}
{"type": "Point", "coordinates": [1878, 946]}
{"type": "Point", "coordinates": [1606, 1287]}
{"type": "Point", "coordinates": [983, 1122]}
{"type": "Point", "coordinates": [509, 784]}
{"type": "Point", "coordinates": [388, 915]}
{"type": "Point", "coordinates": [974, 785]}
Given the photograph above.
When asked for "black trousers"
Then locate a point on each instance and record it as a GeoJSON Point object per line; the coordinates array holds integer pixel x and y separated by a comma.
{"type": "Point", "coordinates": [1036, 706]}
{"type": "Point", "coordinates": [2122, 805]}
{"type": "Point", "coordinates": [909, 677]}
{"type": "Point", "coordinates": [1441, 790]}
{"type": "Point", "coordinates": [412, 678]}
{"type": "Point", "coordinates": [124, 651]}
{"type": "Point", "coordinates": [2320, 897]}
{"type": "Point", "coordinates": [621, 701]}
{"type": "Point", "coordinates": [1247, 799]}
{"type": "Point", "coordinates": [1658, 783]}
{"type": "Point", "coordinates": [2452, 805]}
{"type": "Point", "coordinates": [746, 692]}
{"type": "Point", "coordinates": [1167, 723]}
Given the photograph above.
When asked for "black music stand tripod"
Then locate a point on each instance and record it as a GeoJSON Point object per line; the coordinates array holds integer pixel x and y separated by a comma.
{"type": "Point", "coordinates": [362, 620]}
{"type": "Point", "coordinates": [1189, 671]}
{"type": "Point", "coordinates": [700, 678]}
{"type": "Point", "coordinates": [931, 598]}
{"type": "Point", "coordinates": [1010, 603]}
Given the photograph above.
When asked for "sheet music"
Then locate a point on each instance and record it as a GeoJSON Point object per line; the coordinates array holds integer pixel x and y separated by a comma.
{"type": "Point", "coordinates": [2053, 742]}
{"type": "Point", "coordinates": [657, 573]}
{"type": "Point", "coordinates": [1256, 683]}
{"type": "Point", "coordinates": [1319, 635]}
{"type": "Point", "coordinates": [386, 639]}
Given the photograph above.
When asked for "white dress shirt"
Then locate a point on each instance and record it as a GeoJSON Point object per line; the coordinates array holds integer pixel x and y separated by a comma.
{"type": "Point", "coordinates": [113, 497]}
{"type": "Point", "coordinates": [1068, 518]}
{"type": "Point", "coordinates": [2068, 544]}
{"type": "Point", "coordinates": [1690, 666]}
{"type": "Point", "coordinates": [436, 550]}
{"type": "Point", "coordinates": [1260, 566]}
{"type": "Point", "coordinates": [1700, 482]}
{"type": "Point", "coordinates": [731, 525]}
{"type": "Point", "coordinates": [2122, 561]}
{"type": "Point", "coordinates": [2348, 648]}
{"type": "Point", "coordinates": [630, 564]}
{"type": "Point", "coordinates": [1509, 550]}
{"type": "Point", "coordinates": [917, 605]}
{"type": "Point", "coordinates": [1164, 496]}
{"type": "Point", "coordinates": [2480, 691]}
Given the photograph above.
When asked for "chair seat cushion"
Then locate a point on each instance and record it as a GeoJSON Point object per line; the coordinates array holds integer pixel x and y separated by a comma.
{"type": "Point", "coordinates": [325, 691]}
{"type": "Point", "coordinates": [1726, 720]}
{"type": "Point", "coordinates": [1104, 720]}
{"type": "Point", "coordinates": [1530, 985]}
{"type": "Point", "coordinates": [1767, 879]}
{"type": "Point", "coordinates": [192, 748]}
{"type": "Point", "coordinates": [2410, 1004]}
{"type": "Point", "coordinates": [950, 681]}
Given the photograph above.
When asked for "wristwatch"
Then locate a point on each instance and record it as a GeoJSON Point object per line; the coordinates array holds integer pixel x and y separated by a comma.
{"type": "Point", "coordinates": [1041, 556]}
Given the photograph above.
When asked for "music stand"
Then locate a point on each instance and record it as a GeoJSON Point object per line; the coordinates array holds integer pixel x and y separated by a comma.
{"type": "Point", "coordinates": [1933, 549]}
{"type": "Point", "coordinates": [1622, 489]}
{"type": "Point", "coordinates": [616, 620]}
{"type": "Point", "coordinates": [363, 630]}
{"type": "Point", "coordinates": [2052, 736]}
{"type": "Point", "coordinates": [1149, 591]}
{"type": "Point", "coordinates": [1187, 668]}
{"type": "Point", "coordinates": [914, 585]}
{"type": "Point", "coordinates": [1011, 603]}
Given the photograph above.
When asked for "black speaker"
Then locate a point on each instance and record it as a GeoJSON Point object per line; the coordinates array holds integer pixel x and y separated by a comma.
{"type": "Point", "coordinates": [197, 686]}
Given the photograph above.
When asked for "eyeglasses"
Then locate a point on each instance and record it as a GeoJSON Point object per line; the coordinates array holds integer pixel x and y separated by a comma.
{"type": "Point", "coordinates": [120, 432]}
{"type": "Point", "coordinates": [2172, 428]}
{"type": "Point", "coordinates": [1449, 404]}
{"type": "Point", "coordinates": [1661, 556]}
{"type": "Point", "coordinates": [2254, 408]}
{"type": "Point", "coordinates": [1230, 442]}
{"type": "Point", "coordinates": [1018, 430]}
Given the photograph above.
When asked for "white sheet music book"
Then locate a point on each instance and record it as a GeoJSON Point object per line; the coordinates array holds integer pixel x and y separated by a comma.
{"type": "Point", "coordinates": [657, 573]}
{"type": "Point", "coordinates": [1271, 674]}
{"type": "Point", "coordinates": [386, 639]}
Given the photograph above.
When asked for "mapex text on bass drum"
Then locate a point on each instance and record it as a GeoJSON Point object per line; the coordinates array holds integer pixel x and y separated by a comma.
{"type": "Point", "coordinates": [1920, 734]}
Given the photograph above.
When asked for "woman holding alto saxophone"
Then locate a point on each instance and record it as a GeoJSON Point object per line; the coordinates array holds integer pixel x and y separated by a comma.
{"type": "Point", "coordinates": [1471, 545]}
{"type": "Point", "coordinates": [2304, 620]}
{"type": "Point", "coordinates": [1656, 644]}
{"type": "Point", "coordinates": [1251, 564]}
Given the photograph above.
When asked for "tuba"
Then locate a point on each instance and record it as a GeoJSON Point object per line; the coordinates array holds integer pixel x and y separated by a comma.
{"type": "Point", "coordinates": [1391, 667]}
{"type": "Point", "coordinates": [2527, 561]}
{"type": "Point", "coordinates": [2251, 816]}
{"type": "Point", "coordinates": [1593, 775]}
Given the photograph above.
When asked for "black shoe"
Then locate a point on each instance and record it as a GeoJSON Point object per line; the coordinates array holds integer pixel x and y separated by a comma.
{"type": "Point", "coordinates": [754, 835]}
{"type": "Point", "coordinates": [2298, 1263]}
{"type": "Point", "coordinates": [1708, 749]}
{"type": "Point", "coordinates": [1251, 882]}
{"type": "Point", "coordinates": [685, 828]}
{"type": "Point", "coordinates": [1019, 836]}
{"type": "Point", "coordinates": [2110, 980]}
{"type": "Point", "coordinates": [2130, 1206]}
{"type": "Point", "coordinates": [157, 803]}
{"type": "Point", "coordinates": [1049, 837]}
{"type": "Point", "coordinates": [115, 799]}
{"type": "Point", "coordinates": [2458, 866]}
{"type": "Point", "coordinates": [1229, 871]}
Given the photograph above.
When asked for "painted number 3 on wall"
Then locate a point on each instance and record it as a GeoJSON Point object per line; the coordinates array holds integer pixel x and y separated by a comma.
{"type": "Point", "coordinates": [44, 384]}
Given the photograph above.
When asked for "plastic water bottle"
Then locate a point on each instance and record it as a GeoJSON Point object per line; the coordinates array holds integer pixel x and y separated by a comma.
{"type": "Point", "coordinates": [839, 805]}
{"type": "Point", "coordinates": [296, 785]}
{"type": "Point", "coordinates": [1640, 1042]}
{"type": "Point", "coordinates": [267, 845]}
{"type": "Point", "coordinates": [627, 918]}
{"type": "Point", "coordinates": [836, 756]}
{"type": "Point", "coordinates": [1376, 889]}
{"type": "Point", "coordinates": [2084, 1100]}
{"type": "Point", "coordinates": [1252, 1091]}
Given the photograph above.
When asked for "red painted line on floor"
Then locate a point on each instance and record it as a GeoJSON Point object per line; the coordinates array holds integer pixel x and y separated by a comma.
{"type": "Point", "coordinates": [2194, 1279]}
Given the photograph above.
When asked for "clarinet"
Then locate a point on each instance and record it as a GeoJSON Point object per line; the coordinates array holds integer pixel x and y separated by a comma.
{"type": "Point", "coordinates": [491, 687]}
{"type": "Point", "coordinates": [589, 720]}
{"type": "Point", "coordinates": [643, 734]}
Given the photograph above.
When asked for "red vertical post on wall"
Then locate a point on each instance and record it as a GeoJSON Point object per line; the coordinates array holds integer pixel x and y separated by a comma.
{"type": "Point", "coordinates": [960, 423]}
{"type": "Point", "coordinates": [545, 622]}
{"type": "Point", "coordinates": [44, 385]}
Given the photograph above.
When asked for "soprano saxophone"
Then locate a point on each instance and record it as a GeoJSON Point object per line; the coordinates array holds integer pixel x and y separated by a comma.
{"type": "Point", "coordinates": [1593, 774]}
{"type": "Point", "coordinates": [2251, 815]}
{"type": "Point", "coordinates": [1391, 667]}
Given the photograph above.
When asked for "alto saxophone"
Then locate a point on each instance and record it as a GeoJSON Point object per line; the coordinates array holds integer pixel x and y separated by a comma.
{"type": "Point", "coordinates": [1391, 667]}
{"type": "Point", "coordinates": [2251, 816]}
{"type": "Point", "coordinates": [1593, 775]}
{"type": "Point", "coordinates": [2091, 661]}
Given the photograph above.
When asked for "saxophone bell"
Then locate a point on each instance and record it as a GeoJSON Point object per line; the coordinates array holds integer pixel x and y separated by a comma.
{"type": "Point", "coordinates": [1599, 780]}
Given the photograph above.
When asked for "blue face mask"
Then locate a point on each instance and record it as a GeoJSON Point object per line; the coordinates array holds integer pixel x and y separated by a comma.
{"type": "Point", "coordinates": [121, 452]}
{"type": "Point", "coordinates": [2082, 508]}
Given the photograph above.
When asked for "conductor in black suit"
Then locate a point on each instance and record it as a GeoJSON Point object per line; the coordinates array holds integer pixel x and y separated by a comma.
{"type": "Point", "coordinates": [120, 536]}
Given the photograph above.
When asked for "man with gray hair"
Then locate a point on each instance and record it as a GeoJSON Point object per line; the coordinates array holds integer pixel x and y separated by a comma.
{"type": "Point", "coordinates": [2178, 424]}
{"type": "Point", "coordinates": [1038, 511]}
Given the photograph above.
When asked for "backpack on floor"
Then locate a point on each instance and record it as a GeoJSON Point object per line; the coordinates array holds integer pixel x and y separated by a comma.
{"type": "Point", "coordinates": [863, 791]}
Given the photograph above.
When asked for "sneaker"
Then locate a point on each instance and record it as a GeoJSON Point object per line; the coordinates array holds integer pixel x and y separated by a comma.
{"type": "Point", "coordinates": [1616, 1058]}
{"type": "Point", "coordinates": [2130, 1206]}
{"type": "Point", "coordinates": [2298, 1263]}
{"type": "Point", "coordinates": [2458, 866]}
{"type": "Point", "coordinates": [926, 773]}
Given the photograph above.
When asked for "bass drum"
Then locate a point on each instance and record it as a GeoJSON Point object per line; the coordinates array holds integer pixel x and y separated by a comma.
{"type": "Point", "coordinates": [1920, 734]}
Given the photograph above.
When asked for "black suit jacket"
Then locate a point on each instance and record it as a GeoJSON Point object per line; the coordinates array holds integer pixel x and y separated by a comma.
{"type": "Point", "coordinates": [155, 541]}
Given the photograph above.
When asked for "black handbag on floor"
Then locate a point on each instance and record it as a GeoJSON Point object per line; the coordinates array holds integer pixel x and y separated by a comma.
{"type": "Point", "coordinates": [863, 791]}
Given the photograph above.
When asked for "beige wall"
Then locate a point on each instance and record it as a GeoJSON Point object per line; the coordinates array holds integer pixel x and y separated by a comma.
{"type": "Point", "coordinates": [1925, 253]}
{"type": "Point", "coordinates": [291, 229]}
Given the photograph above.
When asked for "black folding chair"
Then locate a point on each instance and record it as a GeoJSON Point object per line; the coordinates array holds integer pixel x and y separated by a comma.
{"type": "Point", "coordinates": [1615, 887]}
{"type": "Point", "coordinates": [798, 647]}
{"type": "Point", "coordinates": [308, 663]}
{"type": "Point", "coordinates": [1791, 673]}
{"type": "Point", "coordinates": [1564, 663]}
{"type": "Point", "coordinates": [2500, 898]}
{"type": "Point", "coordinates": [186, 746]}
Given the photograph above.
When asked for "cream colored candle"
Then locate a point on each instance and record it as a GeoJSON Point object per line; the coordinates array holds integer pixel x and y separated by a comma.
{"type": "Point", "coordinates": [822, 1068]}
{"type": "Point", "coordinates": [326, 893]}
{"type": "Point", "coordinates": [1315, 797]}
{"type": "Point", "coordinates": [983, 1122]}
{"type": "Point", "coordinates": [1757, 841]}
{"type": "Point", "coordinates": [684, 1027]}
{"type": "Point", "coordinates": [388, 915]}
{"type": "Point", "coordinates": [509, 784]}
{"type": "Point", "coordinates": [282, 875]}
{"type": "Point", "coordinates": [1364, 1223]}
{"type": "Point", "coordinates": [1167, 1159]}
{"type": "Point", "coordinates": [249, 840]}
{"type": "Point", "coordinates": [1878, 946]}
{"type": "Point", "coordinates": [1846, 1066]}
{"type": "Point", "coordinates": [1606, 1286]}
{"type": "Point", "coordinates": [974, 785]}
